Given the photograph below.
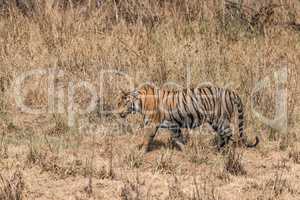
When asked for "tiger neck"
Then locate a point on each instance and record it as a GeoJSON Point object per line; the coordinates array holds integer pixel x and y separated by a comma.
{"type": "Point", "coordinates": [149, 98]}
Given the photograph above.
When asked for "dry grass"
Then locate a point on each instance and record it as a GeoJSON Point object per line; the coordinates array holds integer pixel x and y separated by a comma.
{"type": "Point", "coordinates": [60, 126]}
{"type": "Point", "coordinates": [131, 189]}
{"type": "Point", "coordinates": [12, 188]}
{"type": "Point", "coordinates": [233, 162]}
{"type": "Point", "coordinates": [277, 185]}
{"type": "Point", "coordinates": [186, 42]}
{"type": "Point", "coordinates": [273, 188]}
{"type": "Point", "coordinates": [164, 163]}
{"type": "Point", "coordinates": [198, 151]}
{"type": "Point", "coordinates": [134, 158]}
{"type": "Point", "coordinates": [175, 190]}
{"type": "Point", "coordinates": [200, 191]}
{"type": "Point", "coordinates": [294, 154]}
{"type": "Point", "coordinates": [3, 147]}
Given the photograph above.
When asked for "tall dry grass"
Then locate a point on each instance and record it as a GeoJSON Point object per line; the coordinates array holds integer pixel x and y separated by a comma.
{"type": "Point", "coordinates": [188, 42]}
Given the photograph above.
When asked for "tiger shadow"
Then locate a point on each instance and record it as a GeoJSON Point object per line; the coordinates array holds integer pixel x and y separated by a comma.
{"type": "Point", "coordinates": [158, 144]}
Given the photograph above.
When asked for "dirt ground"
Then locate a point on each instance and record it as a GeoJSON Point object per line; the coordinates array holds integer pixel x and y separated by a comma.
{"type": "Point", "coordinates": [89, 166]}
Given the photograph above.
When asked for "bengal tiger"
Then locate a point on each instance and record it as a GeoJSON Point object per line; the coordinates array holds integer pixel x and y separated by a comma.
{"type": "Point", "coordinates": [187, 108]}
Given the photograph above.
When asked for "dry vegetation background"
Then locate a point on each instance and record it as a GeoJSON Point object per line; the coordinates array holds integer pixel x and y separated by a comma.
{"type": "Point", "coordinates": [235, 44]}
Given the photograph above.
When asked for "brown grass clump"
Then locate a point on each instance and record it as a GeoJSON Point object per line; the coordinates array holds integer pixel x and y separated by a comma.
{"type": "Point", "coordinates": [53, 162]}
{"type": "Point", "coordinates": [73, 168]}
{"type": "Point", "coordinates": [278, 184]}
{"type": "Point", "coordinates": [89, 188]}
{"type": "Point", "coordinates": [204, 192]}
{"type": "Point", "coordinates": [35, 155]}
{"type": "Point", "coordinates": [276, 187]}
{"type": "Point", "coordinates": [110, 170]}
{"type": "Point", "coordinates": [12, 189]}
{"type": "Point", "coordinates": [131, 189]}
{"type": "Point", "coordinates": [201, 191]}
{"type": "Point", "coordinates": [294, 155]}
{"type": "Point", "coordinates": [164, 163]}
{"type": "Point", "coordinates": [3, 147]}
{"type": "Point", "coordinates": [198, 151]}
{"type": "Point", "coordinates": [233, 162]}
{"type": "Point", "coordinates": [60, 126]}
{"type": "Point", "coordinates": [134, 158]}
{"type": "Point", "coordinates": [175, 190]}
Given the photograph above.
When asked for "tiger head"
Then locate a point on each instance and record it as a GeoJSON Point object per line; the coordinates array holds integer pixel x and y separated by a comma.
{"type": "Point", "coordinates": [128, 103]}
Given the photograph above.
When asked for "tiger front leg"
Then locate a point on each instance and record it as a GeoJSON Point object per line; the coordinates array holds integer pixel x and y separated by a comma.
{"type": "Point", "coordinates": [149, 134]}
{"type": "Point", "coordinates": [177, 139]}
{"type": "Point", "coordinates": [224, 134]}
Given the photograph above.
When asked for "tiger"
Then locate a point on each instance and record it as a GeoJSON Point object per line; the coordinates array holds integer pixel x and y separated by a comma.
{"type": "Point", "coordinates": [186, 108]}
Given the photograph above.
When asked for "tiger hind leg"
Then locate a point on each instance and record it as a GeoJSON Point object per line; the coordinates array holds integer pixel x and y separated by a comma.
{"type": "Point", "coordinates": [224, 133]}
{"type": "Point", "coordinates": [177, 139]}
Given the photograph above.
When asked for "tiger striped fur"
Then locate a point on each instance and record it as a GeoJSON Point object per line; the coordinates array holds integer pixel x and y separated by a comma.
{"type": "Point", "coordinates": [188, 108]}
